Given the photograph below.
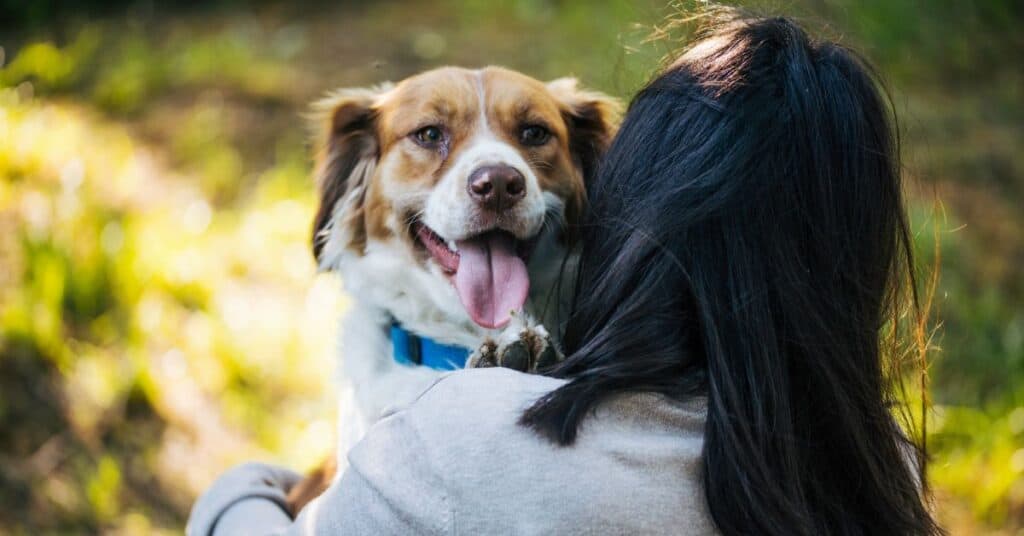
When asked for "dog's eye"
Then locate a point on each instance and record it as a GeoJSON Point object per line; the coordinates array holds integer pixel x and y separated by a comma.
{"type": "Point", "coordinates": [534, 135]}
{"type": "Point", "coordinates": [428, 137]}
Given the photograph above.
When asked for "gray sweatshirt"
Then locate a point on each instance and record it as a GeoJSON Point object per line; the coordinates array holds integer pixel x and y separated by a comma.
{"type": "Point", "coordinates": [456, 462]}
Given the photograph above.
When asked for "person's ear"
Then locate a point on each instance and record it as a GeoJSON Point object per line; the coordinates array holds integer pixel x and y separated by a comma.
{"type": "Point", "coordinates": [347, 154]}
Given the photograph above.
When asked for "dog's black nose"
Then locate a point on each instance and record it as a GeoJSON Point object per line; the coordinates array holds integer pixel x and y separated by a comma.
{"type": "Point", "coordinates": [497, 188]}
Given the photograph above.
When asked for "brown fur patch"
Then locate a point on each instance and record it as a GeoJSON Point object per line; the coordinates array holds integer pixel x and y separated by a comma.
{"type": "Point", "coordinates": [376, 213]}
{"type": "Point", "coordinates": [444, 97]}
{"type": "Point", "coordinates": [311, 487]}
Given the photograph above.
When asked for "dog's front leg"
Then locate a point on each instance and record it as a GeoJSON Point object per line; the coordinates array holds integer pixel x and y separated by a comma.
{"type": "Point", "coordinates": [524, 346]}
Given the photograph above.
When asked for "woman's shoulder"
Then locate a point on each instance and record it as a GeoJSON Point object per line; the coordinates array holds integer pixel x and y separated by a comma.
{"type": "Point", "coordinates": [489, 401]}
{"type": "Point", "coordinates": [464, 432]}
{"type": "Point", "coordinates": [467, 409]}
{"type": "Point", "coordinates": [498, 396]}
{"type": "Point", "coordinates": [461, 415]}
{"type": "Point", "coordinates": [488, 388]}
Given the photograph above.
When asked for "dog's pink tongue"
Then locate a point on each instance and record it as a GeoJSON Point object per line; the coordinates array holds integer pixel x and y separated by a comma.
{"type": "Point", "coordinates": [491, 279]}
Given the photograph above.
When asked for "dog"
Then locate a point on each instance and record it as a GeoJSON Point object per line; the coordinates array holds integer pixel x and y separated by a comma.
{"type": "Point", "coordinates": [447, 203]}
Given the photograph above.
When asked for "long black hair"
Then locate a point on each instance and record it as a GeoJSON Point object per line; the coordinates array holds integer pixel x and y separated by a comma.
{"type": "Point", "coordinates": [746, 241]}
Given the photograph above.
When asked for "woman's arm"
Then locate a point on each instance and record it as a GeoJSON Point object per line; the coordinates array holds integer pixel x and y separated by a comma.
{"type": "Point", "coordinates": [390, 487]}
{"type": "Point", "coordinates": [248, 499]}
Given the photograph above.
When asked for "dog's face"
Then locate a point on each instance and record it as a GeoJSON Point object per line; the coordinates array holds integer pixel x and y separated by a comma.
{"type": "Point", "coordinates": [450, 179]}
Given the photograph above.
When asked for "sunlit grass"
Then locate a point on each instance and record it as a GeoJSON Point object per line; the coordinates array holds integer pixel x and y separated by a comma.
{"type": "Point", "coordinates": [132, 285]}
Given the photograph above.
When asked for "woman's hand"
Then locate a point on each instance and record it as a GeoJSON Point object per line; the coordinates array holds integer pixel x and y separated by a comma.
{"type": "Point", "coordinates": [248, 496]}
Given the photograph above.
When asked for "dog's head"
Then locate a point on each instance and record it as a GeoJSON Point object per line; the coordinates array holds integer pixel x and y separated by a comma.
{"type": "Point", "coordinates": [439, 188]}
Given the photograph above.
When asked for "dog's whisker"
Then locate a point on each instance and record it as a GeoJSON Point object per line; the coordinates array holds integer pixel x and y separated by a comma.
{"type": "Point", "coordinates": [412, 219]}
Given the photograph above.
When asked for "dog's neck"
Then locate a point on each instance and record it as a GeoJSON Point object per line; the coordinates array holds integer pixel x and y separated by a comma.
{"type": "Point", "coordinates": [412, 349]}
{"type": "Point", "coordinates": [411, 296]}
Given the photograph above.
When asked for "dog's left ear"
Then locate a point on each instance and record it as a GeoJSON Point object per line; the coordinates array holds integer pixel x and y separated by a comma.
{"type": "Point", "coordinates": [592, 118]}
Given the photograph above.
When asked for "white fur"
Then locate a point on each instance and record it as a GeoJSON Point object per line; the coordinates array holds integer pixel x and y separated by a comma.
{"type": "Point", "coordinates": [452, 214]}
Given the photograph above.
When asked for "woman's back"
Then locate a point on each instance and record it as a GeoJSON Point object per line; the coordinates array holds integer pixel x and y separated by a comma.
{"type": "Point", "coordinates": [457, 462]}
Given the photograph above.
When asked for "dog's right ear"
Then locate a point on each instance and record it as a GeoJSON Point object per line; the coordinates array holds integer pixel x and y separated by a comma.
{"type": "Point", "coordinates": [347, 154]}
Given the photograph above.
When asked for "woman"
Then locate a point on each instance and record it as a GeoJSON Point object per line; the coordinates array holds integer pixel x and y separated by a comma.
{"type": "Point", "coordinates": [745, 248]}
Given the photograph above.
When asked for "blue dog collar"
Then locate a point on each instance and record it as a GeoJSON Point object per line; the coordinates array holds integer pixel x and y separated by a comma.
{"type": "Point", "coordinates": [411, 349]}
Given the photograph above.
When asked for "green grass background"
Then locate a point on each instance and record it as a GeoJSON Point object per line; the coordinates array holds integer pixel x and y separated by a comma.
{"type": "Point", "coordinates": [161, 318]}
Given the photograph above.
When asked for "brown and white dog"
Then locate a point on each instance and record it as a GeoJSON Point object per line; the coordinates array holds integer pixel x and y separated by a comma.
{"type": "Point", "coordinates": [445, 201]}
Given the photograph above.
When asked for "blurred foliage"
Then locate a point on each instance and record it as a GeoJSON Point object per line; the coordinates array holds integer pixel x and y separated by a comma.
{"type": "Point", "coordinates": [160, 316]}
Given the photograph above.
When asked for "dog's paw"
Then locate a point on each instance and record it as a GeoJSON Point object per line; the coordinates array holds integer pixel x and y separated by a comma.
{"type": "Point", "coordinates": [522, 347]}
